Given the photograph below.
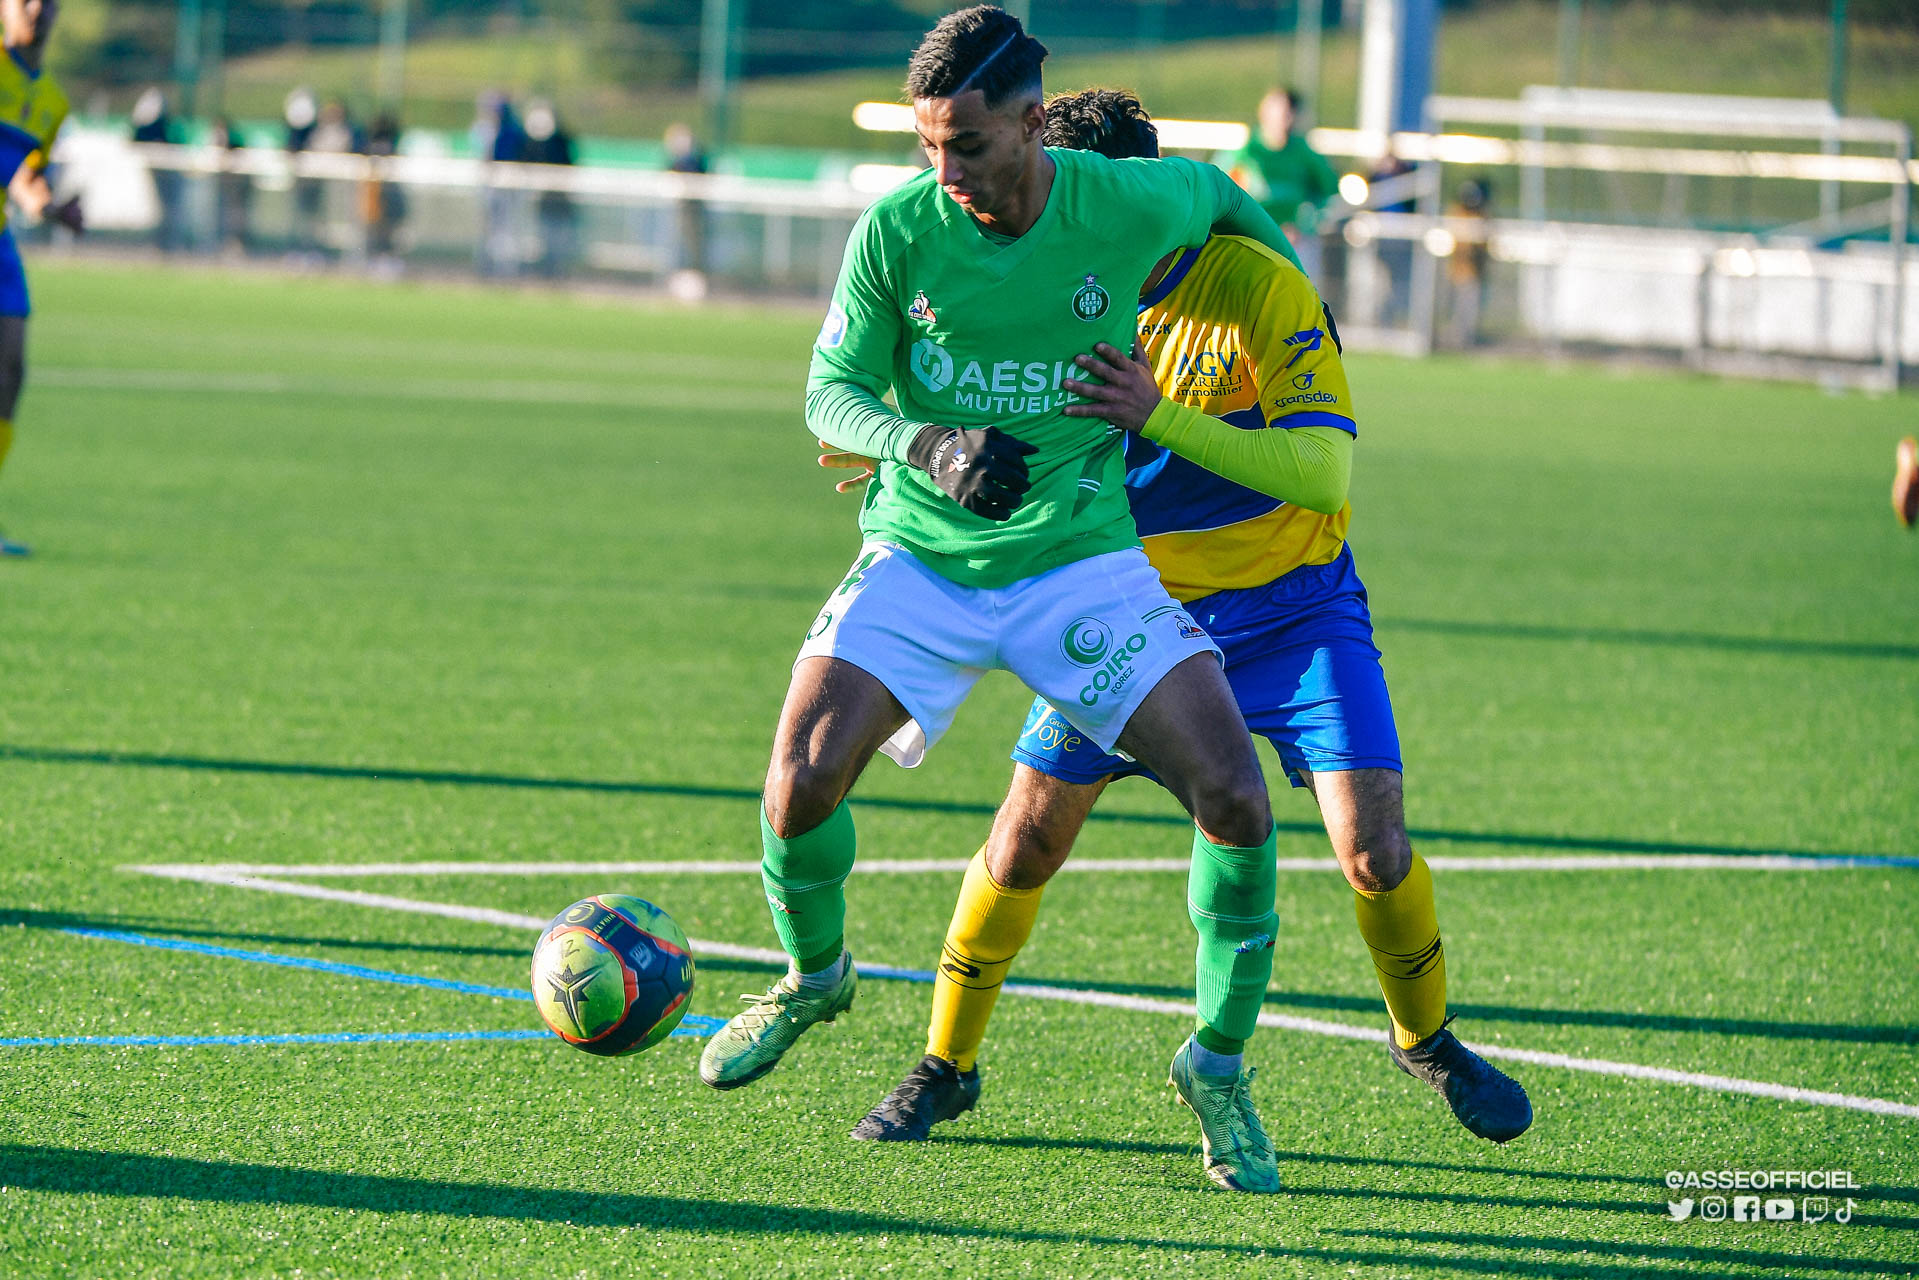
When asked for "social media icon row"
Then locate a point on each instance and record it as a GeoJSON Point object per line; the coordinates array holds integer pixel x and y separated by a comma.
{"type": "Point", "coordinates": [1755, 1209]}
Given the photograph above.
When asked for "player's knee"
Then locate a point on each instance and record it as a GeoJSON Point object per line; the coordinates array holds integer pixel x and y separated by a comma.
{"type": "Point", "coordinates": [1026, 859]}
{"type": "Point", "coordinates": [1377, 864]}
{"type": "Point", "coordinates": [1233, 810]}
{"type": "Point", "coordinates": [800, 794]}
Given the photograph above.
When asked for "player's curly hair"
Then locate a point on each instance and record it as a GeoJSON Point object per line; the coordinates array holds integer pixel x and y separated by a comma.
{"type": "Point", "coordinates": [982, 48]}
{"type": "Point", "coordinates": [1109, 121]}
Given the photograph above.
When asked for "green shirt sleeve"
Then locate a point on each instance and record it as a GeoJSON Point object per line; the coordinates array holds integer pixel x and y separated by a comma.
{"type": "Point", "coordinates": [1309, 467]}
{"type": "Point", "coordinates": [1234, 213]}
{"type": "Point", "coordinates": [855, 356]}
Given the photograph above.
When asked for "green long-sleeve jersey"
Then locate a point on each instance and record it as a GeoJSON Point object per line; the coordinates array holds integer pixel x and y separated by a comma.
{"type": "Point", "coordinates": [972, 330]}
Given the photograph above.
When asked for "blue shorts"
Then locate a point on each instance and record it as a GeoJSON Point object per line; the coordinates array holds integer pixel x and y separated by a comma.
{"type": "Point", "coordinates": [1300, 659]}
{"type": "Point", "coordinates": [13, 277]}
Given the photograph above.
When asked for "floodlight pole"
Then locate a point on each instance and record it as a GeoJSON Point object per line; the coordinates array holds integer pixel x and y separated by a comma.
{"type": "Point", "coordinates": [1310, 21]}
{"type": "Point", "coordinates": [393, 54]}
{"type": "Point", "coordinates": [213, 59]}
{"type": "Point", "coordinates": [1836, 81]}
{"type": "Point", "coordinates": [187, 34]}
{"type": "Point", "coordinates": [1569, 21]}
{"type": "Point", "coordinates": [719, 68]}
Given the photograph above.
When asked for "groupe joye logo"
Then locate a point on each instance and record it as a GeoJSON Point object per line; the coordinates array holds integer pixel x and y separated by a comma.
{"type": "Point", "coordinates": [1086, 641]}
{"type": "Point", "coordinates": [1090, 301]}
{"type": "Point", "coordinates": [932, 365]}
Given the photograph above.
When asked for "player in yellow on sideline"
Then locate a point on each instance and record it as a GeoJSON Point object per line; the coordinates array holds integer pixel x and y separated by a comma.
{"type": "Point", "coordinates": [32, 108]}
{"type": "Point", "coordinates": [1238, 460]}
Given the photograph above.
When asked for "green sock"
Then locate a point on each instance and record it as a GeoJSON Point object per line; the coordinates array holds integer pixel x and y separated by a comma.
{"type": "Point", "coordinates": [804, 878]}
{"type": "Point", "coordinates": [1229, 896]}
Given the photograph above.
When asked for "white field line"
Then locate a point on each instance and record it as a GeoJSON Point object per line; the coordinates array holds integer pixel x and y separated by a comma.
{"type": "Point", "coordinates": [1072, 995]}
{"type": "Point", "coordinates": [941, 866]}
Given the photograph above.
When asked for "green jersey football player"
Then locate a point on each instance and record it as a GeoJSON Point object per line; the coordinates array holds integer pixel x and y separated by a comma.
{"type": "Point", "coordinates": [998, 535]}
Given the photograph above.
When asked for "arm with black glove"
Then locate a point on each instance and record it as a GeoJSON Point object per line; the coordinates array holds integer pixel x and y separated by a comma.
{"type": "Point", "coordinates": [981, 468]}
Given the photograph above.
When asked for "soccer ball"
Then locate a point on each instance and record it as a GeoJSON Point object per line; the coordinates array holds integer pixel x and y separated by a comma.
{"type": "Point", "coordinates": [611, 974]}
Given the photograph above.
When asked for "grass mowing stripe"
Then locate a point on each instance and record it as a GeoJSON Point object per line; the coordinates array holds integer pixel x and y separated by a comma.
{"type": "Point", "coordinates": [1105, 999]}
{"type": "Point", "coordinates": [941, 866]}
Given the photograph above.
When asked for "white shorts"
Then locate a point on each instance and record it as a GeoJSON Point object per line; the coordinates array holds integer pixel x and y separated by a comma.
{"type": "Point", "coordinates": [1092, 638]}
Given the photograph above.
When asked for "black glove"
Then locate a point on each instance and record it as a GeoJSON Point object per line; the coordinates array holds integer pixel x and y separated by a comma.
{"type": "Point", "coordinates": [982, 468]}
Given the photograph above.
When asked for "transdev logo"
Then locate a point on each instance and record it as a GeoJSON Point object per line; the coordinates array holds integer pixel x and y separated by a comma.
{"type": "Point", "coordinates": [1086, 641]}
{"type": "Point", "coordinates": [833, 331]}
{"type": "Point", "coordinates": [932, 365]}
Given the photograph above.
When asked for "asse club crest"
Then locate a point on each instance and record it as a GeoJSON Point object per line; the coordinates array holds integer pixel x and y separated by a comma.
{"type": "Point", "coordinates": [1090, 301]}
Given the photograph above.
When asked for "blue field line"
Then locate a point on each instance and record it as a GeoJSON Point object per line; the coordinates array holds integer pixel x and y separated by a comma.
{"type": "Point", "coordinates": [305, 962]}
{"type": "Point", "coordinates": [693, 1024]}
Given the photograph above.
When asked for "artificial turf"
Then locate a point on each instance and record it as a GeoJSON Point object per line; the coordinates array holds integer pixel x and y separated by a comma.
{"type": "Point", "coordinates": [328, 572]}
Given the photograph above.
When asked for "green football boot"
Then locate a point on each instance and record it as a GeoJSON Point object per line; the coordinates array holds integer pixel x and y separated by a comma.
{"type": "Point", "coordinates": [752, 1044]}
{"type": "Point", "coordinates": [1237, 1153]}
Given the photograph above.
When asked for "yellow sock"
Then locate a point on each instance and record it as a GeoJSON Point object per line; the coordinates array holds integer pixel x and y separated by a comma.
{"type": "Point", "coordinates": [6, 439]}
{"type": "Point", "coordinates": [1401, 927]}
{"type": "Point", "coordinates": [990, 925]}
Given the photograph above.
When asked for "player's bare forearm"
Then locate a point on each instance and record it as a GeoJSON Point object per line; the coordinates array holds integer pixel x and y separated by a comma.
{"type": "Point", "coordinates": [1126, 393]}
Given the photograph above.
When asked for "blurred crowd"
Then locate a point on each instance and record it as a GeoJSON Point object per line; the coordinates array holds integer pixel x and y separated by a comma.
{"type": "Point", "coordinates": [520, 231]}
{"type": "Point", "coordinates": [1302, 191]}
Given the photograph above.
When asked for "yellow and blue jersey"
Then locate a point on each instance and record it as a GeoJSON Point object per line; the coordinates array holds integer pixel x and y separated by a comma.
{"type": "Point", "coordinates": [1239, 333]}
{"type": "Point", "coordinates": [32, 109]}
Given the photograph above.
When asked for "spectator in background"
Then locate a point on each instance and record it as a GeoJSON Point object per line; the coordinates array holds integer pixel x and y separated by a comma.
{"type": "Point", "coordinates": [1466, 268]}
{"type": "Point", "coordinates": [1291, 181]}
{"type": "Point", "coordinates": [153, 123]}
{"type": "Point", "coordinates": [336, 134]}
{"type": "Point", "coordinates": [496, 136]}
{"type": "Point", "coordinates": [547, 143]}
{"type": "Point", "coordinates": [309, 195]}
{"type": "Point", "coordinates": [233, 191]}
{"type": "Point", "coordinates": [683, 155]}
{"type": "Point", "coordinates": [382, 200]}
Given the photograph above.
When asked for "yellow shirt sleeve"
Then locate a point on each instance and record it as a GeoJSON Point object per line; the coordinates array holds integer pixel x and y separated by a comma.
{"type": "Point", "coordinates": [1309, 467]}
{"type": "Point", "coordinates": [1308, 461]}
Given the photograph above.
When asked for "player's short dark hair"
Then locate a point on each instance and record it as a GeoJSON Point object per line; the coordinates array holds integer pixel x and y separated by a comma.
{"type": "Point", "coordinates": [982, 48]}
{"type": "Point", "coordinates": [1109, 121]}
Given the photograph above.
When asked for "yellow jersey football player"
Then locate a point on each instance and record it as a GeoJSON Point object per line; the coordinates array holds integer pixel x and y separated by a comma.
{"type": "Point", "coordinates": [32, 108]}
{"type": "Point", "coordinates": [1239, 429]}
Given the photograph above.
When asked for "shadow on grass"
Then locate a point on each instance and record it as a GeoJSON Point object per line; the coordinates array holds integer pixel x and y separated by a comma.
{"type": "Point", "coordinates": [1781, 646]}
{"type": "Point", "coordinates": [161, 925]}
{"type": "Point", "coordinates": [1764, 1029]}
{"type": "Point", "coordinates": [461, 778]}
{"type": "Point", "coordinates": [88, 1172]}
{"type": "Point", "coordinates": [1371, 1006]}
{"type": "Point", "coordinates": [1796, 1264]}
{"type": "Point", "coordinates": [106, 1173]}
{"type": "Point", "coordinates": [1294, 1157]}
